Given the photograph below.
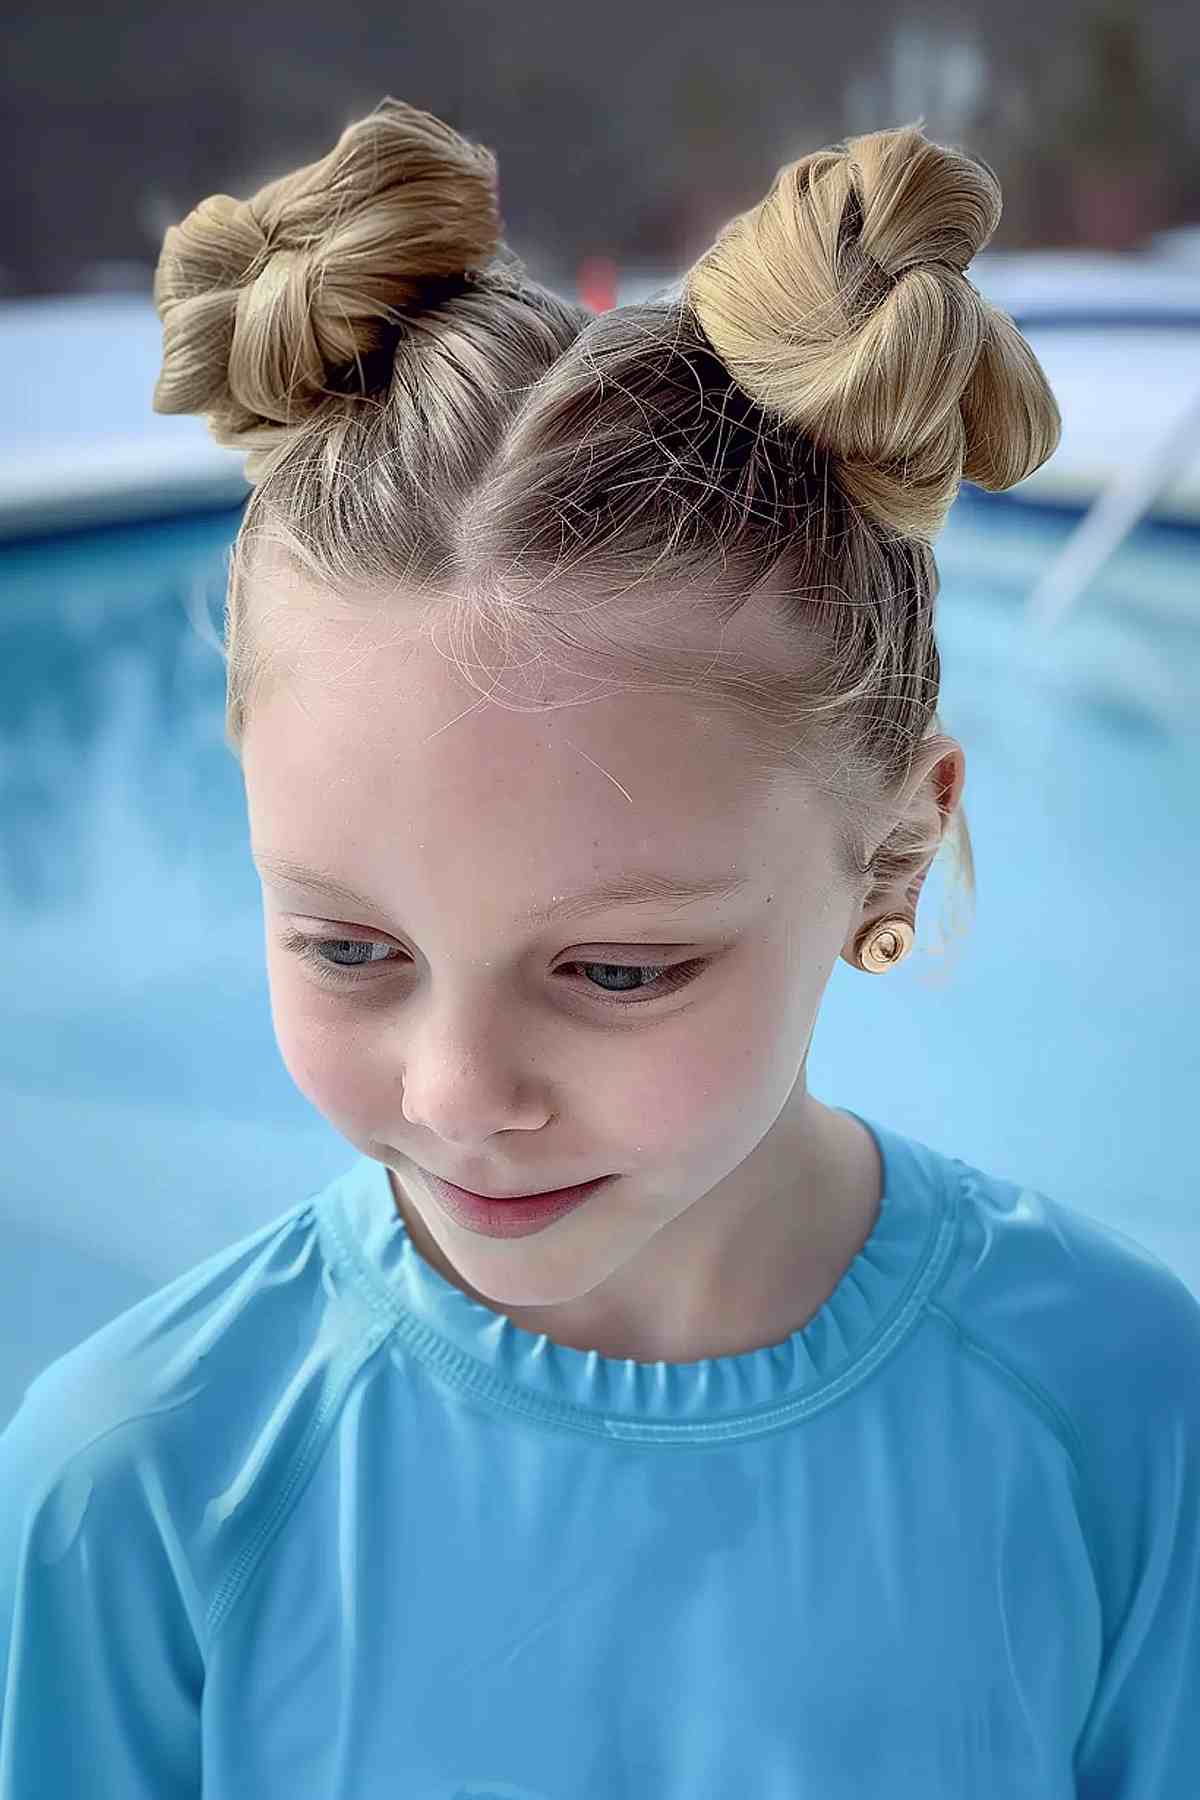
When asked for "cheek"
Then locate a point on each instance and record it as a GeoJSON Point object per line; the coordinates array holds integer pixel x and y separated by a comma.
{"type": "Point", "coordinates": [715, 1075]}
{"type": "Point", "coordinates": [318, 1051]}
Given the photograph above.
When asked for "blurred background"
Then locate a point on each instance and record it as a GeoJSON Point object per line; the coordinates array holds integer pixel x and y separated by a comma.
{"type": "Point", "coordinates": [148, 1118]}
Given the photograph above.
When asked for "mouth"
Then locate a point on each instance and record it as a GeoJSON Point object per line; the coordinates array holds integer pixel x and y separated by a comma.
{"type": "Point", "coordinates": [530, 1194]}
{"type": "Point", "coordinates": [513, 1215]}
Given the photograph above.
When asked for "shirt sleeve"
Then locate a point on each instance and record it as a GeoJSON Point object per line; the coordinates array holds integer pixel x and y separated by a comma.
{"type": "Point", "coordinates": [1141, 1739]}
{"type": "Point", "coordinates": [100, 1673]}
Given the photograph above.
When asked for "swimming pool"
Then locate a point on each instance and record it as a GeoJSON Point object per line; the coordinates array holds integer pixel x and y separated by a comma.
{"type": "Point", "coordinates": [150, 1120]}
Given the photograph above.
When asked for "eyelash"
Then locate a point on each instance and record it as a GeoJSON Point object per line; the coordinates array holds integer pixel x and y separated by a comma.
{"type": "Point", "coordinates": [674, 975]}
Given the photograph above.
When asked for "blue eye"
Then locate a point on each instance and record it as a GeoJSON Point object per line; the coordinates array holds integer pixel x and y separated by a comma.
{"type": "Point", "coordinates": [667, 977]}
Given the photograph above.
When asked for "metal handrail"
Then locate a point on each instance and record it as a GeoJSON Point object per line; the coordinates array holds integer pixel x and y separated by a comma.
{"type": "Point", "coordinates": [1107, 523]}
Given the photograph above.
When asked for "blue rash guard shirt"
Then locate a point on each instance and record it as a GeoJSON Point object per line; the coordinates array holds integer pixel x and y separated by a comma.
{"type": "Point", "coordinates": [310, 1523]}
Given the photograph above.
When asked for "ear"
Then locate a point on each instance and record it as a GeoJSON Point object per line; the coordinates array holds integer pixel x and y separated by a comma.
{"type": "Point", "coordinates": [945, 765]}
{"type": "Point", "coordinates": [937, 778]}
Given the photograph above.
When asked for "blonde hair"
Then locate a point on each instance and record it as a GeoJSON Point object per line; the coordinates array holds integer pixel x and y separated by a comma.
{"type": "Point", "coordinates": [417, 412]}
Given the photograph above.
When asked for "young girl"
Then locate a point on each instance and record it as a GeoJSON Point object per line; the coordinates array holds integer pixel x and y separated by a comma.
{"type": "Point", "coordinates": [624, 1423]}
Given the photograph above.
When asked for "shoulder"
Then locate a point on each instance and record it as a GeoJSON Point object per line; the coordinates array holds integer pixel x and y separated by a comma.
{"type": "Point", "coordinates": [124, 1430]}
{"type": "Point", "coordinates": [1095, 1327]}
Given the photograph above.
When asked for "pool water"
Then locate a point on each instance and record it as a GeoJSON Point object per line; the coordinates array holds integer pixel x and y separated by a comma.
{"type": "Point", "coordinates": [149, 1120]}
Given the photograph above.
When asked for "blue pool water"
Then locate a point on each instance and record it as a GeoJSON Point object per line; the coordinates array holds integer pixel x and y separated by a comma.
{"type": "Point", "coordinates": [149, 1120]}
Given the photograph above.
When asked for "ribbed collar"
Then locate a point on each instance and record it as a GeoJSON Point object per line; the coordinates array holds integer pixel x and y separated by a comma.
{"type": "Point", "coordinates": [869, 1312]}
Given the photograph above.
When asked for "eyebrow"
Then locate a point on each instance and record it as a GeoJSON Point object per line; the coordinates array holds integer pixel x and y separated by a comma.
{"type": "Point", "coordinates": [633, 889]}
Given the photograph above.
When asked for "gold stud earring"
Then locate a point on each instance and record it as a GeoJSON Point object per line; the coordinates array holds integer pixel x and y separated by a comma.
{"type": "Point", "coordinates": [883, 943]}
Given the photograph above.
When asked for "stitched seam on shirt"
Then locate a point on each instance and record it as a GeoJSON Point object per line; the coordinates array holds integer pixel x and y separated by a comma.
{"type": "Point", "coordinates": [1033, 1397]}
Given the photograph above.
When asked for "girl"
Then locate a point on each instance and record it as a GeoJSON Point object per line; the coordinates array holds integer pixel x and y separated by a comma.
{"type": "Point", "coordinates": [625, 1423]}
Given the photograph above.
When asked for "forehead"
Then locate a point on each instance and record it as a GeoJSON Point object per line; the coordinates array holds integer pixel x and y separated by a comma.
{"type": "Point", "coordinates": [369, 727]}
{"type": "Point", "coordinates": [401, 723]}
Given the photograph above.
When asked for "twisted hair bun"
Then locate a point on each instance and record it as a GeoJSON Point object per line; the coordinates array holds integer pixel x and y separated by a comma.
{"type": "Point", "coordinates": [268, 305]}
{"type": "Point", "coordinates": [840, 303]}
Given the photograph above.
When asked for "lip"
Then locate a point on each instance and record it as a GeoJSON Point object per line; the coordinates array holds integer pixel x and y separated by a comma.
{"type": "Point", "coordinates": [519, 1216]}
{"type": "Point", "coordinates": [533, 1194]}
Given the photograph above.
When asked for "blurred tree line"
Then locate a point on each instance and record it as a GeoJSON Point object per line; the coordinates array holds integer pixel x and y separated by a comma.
{"type": "Point", "coordinates": [617, 134]}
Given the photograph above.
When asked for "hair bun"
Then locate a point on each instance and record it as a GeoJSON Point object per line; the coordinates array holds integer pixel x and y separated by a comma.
{"type": "Point", "coordinates": [266, 304]}
{"type": "Point", "coordinates": [840, 303]}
